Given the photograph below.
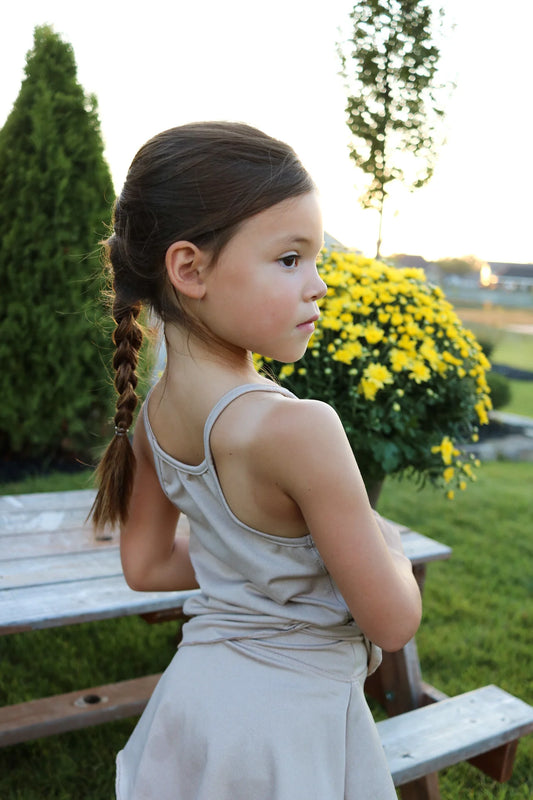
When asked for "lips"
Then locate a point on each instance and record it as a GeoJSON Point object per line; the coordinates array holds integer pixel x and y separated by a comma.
{"type": "Point", "coordinates": [309, 325]}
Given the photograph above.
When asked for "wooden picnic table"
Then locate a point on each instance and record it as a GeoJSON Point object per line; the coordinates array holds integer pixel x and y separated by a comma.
{"type": "Point", "coordinates": [54, 572]}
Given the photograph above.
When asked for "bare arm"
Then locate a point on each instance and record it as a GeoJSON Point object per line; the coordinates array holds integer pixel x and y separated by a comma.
{"type": "Point", "coordinates": [311, 456]}
{"type": "Point", "coordinates": [154, 556]}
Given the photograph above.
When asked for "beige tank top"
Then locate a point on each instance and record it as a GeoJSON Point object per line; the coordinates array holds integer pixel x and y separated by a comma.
{"type": "Point", "coordinates": [252, 584]}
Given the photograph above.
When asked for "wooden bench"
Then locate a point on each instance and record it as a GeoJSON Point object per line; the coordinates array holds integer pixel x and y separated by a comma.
{"type": "Point", "coordinates": [482, 726]}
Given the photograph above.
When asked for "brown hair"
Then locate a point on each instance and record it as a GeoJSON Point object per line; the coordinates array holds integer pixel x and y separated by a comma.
{"type": "Point", "coordinates": [196, 183]}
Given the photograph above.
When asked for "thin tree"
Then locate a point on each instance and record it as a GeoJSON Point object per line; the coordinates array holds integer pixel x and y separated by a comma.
{"type": "Point", "coordinates": [390, 65]}
{"type": "Point", "coordinates": [55, 204]}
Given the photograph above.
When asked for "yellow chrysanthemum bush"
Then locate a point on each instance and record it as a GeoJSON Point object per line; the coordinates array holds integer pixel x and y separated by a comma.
{"type": "Point", "coordinates": [406, 378]}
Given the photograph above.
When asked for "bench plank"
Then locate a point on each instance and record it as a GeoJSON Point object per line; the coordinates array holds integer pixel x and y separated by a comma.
{"type": "Point", "coordinates": [68, 712]}
{"type": "Point", "coordinates": [459, 728]}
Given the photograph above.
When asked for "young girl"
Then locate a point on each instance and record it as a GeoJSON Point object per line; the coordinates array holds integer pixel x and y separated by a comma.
{"type": "Point", "coordinates": [217, 230]}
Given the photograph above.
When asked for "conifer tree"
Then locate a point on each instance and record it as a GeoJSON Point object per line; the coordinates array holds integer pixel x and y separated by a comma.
{"type": "Point", "coordinates": [55, 205]}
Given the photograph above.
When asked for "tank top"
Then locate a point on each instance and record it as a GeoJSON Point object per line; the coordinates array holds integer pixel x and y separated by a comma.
{"type": "Point", "coordinates": [252, 584]}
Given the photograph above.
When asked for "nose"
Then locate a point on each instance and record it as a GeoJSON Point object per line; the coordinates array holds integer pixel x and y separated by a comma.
{"type": "Point", "coordinates": [316, 288]}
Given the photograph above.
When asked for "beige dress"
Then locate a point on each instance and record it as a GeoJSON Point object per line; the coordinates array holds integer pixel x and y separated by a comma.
{"type": "Point", "coordinates": [264, 698]}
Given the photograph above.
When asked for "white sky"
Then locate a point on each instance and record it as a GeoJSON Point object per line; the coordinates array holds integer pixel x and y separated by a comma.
{"type": "Point", "coordinates": [161, 63]}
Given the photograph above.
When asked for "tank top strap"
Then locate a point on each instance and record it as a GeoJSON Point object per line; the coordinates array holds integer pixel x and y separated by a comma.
{"type": "Point", "coordinates": [228, 398]}
{"type": "Point", "coordinates": [215, 412]}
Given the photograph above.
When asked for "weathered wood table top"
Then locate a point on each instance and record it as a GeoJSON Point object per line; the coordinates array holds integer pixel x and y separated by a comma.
{"type": "Point", "coordinates": [54, 572]}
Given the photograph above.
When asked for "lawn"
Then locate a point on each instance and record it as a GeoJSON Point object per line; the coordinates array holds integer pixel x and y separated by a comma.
{"type": "Point", "coordinates": [494, 324]}
{"type": "Point", "coordinates": [477, 629]}
{"type": "Point", "coordinates": [521, 399]}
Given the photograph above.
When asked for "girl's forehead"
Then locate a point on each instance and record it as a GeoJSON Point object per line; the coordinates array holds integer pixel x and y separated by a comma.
{"type": "Point", "coordinates": [297, 219]}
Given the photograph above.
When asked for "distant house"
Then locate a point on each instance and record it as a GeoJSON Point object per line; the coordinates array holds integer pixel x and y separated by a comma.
{"type": "Point", "coordinates": [334, 246]}
{"type": "Point", "coordinates": [513, 277]}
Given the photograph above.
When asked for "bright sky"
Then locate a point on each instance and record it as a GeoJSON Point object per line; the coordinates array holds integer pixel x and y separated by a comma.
{"type": "Point", "coordinates": [162, 63]}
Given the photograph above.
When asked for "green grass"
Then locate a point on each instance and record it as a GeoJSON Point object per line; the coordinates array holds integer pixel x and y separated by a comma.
{"type": "Point", "coordinates": [521, 398]}
{"type": "Point", "coordinates": [477, 629]}
{"type": "Point", "coordinates": [478, 610]}
{"type": "Point", "coordinates": [52, 482]}
{"type": "Point", "coordinates": [513, 349]}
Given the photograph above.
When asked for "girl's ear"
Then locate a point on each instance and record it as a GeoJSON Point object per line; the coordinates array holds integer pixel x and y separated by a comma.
{"type": "Point", "coordinates": [185, 265]}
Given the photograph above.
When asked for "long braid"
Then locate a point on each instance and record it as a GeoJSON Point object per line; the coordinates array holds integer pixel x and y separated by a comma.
{"type": "Point", "coordinates": [116, 470]}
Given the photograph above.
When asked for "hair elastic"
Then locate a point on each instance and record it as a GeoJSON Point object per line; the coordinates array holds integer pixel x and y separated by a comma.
{"type": "Point", "coordinates": [120, 431]}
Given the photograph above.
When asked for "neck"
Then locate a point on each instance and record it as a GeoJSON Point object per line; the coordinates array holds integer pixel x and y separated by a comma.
{"type": "Point", "coordinates": [188, 354]}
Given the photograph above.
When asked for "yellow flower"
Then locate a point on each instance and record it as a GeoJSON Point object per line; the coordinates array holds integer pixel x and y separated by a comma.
{"type": "Point", "coordinates": [374, 378]}
{"type": "Point", "coordinates": [398, 359]}
{"type": "Point", "coordinates": [448, 474]}
{"type": "Point", "coordinates": [331, 323]}
{"type": "Point", "coordinates": [379, 374]}
{"type": "Point", "coordinates": [342, 355]}
{"type": "Point", "coordinates": [368, 388]}
{"type": "Point", "coordinates": [446, 449]}
{"type": "Point", "coordinates": [396, 319]}
{"type": "Point", "coordinates": [348, 352]}
{"type": "Point", "coordinates": [481, 411]}
{"type": "Point", "coordinates": [419, 372]}
{"type": "Point", "coordinates": [286, 371]}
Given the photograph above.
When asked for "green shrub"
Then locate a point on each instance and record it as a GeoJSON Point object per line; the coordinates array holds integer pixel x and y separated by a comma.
{"type": "Point", "coordinates": [55, 202]}
{"type": "Point", "coordinates": [500, 389]}
{"type": "Point", "coordinates": [487, 347]}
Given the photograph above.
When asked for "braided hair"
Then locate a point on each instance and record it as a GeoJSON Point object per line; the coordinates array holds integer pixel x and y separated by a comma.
{"type": "Point", "coordinates": [196, 183]}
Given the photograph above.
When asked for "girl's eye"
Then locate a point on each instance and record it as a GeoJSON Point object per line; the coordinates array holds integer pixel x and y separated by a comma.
{"type": "Point", "coordinates": [289, 261]}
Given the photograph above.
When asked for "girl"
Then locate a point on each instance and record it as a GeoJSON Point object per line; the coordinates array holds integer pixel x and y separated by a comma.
{"type": "Point", "coordinates": [217, 230]}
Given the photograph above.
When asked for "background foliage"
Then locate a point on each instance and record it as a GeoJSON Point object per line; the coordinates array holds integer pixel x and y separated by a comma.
{"type": "Point", "coordinates": [55, 200]}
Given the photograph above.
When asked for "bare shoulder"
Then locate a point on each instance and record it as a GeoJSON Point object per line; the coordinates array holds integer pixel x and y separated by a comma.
{"type": "Point", "coordinates": [287, 436]}
{"type": "Point", "coordinates": [302, 423]}
{"type": "Point", "coordinates": [296, 417]}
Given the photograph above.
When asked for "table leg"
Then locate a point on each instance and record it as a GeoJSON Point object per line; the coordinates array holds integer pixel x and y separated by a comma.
{"type": "Point", "coordinates": [397, 684]}
{"type": "Point", "coordinates": [426, 788]}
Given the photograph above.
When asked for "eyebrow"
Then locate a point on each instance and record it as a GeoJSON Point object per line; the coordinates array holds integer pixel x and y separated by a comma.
{"type": "Point", "coordinates": [302, 240]}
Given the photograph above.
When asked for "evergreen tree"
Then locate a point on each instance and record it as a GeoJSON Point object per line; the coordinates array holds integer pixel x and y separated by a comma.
{"type": "Point", "coordinates": [390, 65]}
{"type": "Point", "coordinates": [55, 204]}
